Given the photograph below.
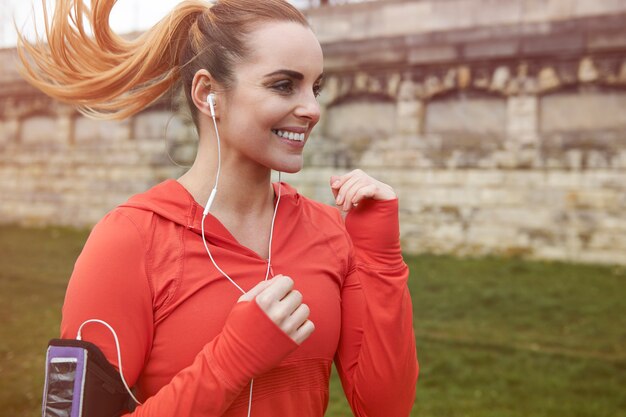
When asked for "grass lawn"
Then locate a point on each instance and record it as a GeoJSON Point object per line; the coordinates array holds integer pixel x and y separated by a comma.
{"type": "Point", "coordinates": [495, 337]}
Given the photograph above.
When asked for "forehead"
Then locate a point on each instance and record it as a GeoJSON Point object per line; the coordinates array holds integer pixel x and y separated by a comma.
{"type": "Point", "coordinates": [288, 45]}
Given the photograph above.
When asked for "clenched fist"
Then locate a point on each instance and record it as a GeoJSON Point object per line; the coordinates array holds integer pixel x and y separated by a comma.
{"type": "Point", "coordinates": [283, 305]}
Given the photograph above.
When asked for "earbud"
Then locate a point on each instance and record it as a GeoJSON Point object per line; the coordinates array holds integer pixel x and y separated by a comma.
{"type": "Point", "coordinates": [211, 100]}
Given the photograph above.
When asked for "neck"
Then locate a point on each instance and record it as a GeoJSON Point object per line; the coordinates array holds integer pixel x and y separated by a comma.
{"type": "Point", "coordinates": [244, 188]}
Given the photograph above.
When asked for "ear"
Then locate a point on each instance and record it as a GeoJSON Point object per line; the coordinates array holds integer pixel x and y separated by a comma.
{"type": "Point", "coordinates": [202, 85]}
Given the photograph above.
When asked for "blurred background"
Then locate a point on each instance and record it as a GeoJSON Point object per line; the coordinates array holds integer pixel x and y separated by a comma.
{"type": "Point", "coordinates": [502, 126]}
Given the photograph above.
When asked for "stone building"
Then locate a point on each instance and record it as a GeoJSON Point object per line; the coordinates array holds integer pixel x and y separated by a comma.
{"type": "Point", "coordinates": [501, 124]}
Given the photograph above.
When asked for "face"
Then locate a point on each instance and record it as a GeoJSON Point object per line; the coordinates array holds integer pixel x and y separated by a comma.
{"type": "Point", "coordinates": [270, 111]}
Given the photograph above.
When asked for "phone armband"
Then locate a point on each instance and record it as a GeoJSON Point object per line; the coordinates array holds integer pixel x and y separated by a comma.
{"type": "Point", "coordinates": [80, 382]}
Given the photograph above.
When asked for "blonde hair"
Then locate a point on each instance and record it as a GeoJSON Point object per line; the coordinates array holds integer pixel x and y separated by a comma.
{"type": "Point", "coordinates": [109, 77]}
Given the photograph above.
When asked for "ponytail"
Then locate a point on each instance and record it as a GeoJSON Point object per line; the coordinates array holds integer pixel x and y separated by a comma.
{"type": "Point", "coordinates": [109, 77]}
{"type": "Point", "coordinates": [105, 75]}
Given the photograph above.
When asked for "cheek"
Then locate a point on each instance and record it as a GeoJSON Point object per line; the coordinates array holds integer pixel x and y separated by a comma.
{"type": "Point", "coordinates": [258, 114]}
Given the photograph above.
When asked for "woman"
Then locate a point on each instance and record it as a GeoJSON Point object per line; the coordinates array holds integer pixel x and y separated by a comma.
{"type": "Point", "coordinates": [267, 286]}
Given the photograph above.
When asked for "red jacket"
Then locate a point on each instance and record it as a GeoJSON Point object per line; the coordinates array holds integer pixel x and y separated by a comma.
{"type": "Point", "coordinates": [190, 349]}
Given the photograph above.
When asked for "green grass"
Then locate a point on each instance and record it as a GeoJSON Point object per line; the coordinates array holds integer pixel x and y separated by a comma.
{"type": "Point", "coordinates": [501, 337]}
{"type": "Point", "coordinates": [495, 337]}
{"type": "Point", "coordinates": [35, 267]}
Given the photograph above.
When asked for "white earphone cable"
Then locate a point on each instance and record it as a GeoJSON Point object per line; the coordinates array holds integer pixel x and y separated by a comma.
{"type": "Point", "coordinates": [208, 207]}
{"type": "Point", "coordinates": [117, 346]}
{"type": "Point", "coordinates": [206, 212]}
{"type": "Point", "coordinates": [269, 250]}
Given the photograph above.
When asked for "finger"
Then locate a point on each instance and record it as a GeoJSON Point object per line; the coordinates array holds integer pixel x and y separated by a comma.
{"type": "Point", "coordinates": [294, 298]}
{"type": "Point", "coordinates": [337, 181]}
{"type": "Point", "coordinates": [347, 204]}
{"type": "Point", "coordinates": [349, 192]}
{"type": "Point", "coordinates": [303, 332]}
{"type": "Point", "coordinates": [296, 319]}
{"type": "Point", "coordinates": [367, 191]}
{"type": "Point", "coordinates": [256, 290]}
{"type": "Point", "coordinates": [344, 188]}
{"type": "Point", "coordinates": [285, 308]}
{"type": "Point", "coordinates": [280, 286]}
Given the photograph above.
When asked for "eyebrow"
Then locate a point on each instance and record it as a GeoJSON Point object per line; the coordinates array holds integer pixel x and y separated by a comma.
{"type": "Point", "coordinates": [293, 74]}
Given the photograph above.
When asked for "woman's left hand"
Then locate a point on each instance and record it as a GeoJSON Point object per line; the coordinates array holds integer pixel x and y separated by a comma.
{"type": "Point", "coordinates": [349, 189]}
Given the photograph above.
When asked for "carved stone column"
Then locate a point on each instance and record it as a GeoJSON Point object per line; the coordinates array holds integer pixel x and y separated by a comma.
{"type": "Point", "coordinates": [65, 124]}
{"type": "Point", "coordinates": [9, 131]}
{"type": "Point", "coordinates": [11, 124]}
{"type": "Point", "coordinates": [410, 110]}
{"type": "Point", "coordinates": [522, 121]}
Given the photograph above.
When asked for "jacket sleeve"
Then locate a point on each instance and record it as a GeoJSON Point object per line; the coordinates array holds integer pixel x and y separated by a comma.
{"type": "Point", "coordinates": [376, 358]}
{"type": "Point", "coordinates": [110, 282]}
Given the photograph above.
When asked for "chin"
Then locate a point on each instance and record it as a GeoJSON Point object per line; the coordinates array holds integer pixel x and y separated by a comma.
{"type": "Point", "coordinates": [289, 169]}
{"type": "Point", "coordinates": [289, 165]}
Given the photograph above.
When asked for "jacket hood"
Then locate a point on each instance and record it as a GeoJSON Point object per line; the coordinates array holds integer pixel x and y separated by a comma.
{"type": "Point", "coordinates": [172, 201]}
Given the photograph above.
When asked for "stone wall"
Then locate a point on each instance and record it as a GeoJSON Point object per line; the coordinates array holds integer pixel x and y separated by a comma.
{"type": "Point", "coordinates": [59, 167]}
{"type": "Point", "coordinates": [502, 126]}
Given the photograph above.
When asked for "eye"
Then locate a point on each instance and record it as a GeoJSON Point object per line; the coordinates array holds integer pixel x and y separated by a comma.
{"type": "Point", "coordinates": [283, 86]}
{"type": "Point", "coordinates": [317, 89]}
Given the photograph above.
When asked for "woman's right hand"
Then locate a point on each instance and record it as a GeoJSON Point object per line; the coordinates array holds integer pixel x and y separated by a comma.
{"type": "Point", "coordinates": [283, 305]}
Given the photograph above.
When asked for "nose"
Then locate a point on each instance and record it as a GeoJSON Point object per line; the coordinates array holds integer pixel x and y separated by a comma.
{"type": "Point", "coordinates": [308, 108]}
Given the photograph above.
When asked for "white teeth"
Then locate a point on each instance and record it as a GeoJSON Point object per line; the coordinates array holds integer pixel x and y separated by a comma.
{"type": "Point", "coordinates": [290, 135]}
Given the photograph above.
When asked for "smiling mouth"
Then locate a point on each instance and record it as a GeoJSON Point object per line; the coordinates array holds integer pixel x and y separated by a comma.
{"type": "Point", "coordinates": [296, 137]}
